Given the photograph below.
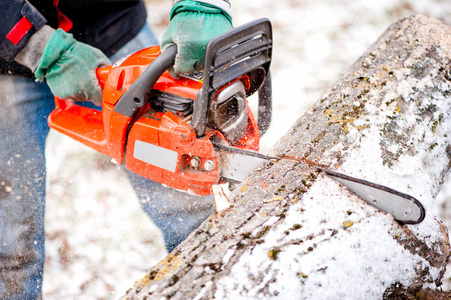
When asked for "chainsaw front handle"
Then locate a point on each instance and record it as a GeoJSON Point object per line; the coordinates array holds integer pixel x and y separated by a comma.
{"type": "Point", "coordinates": [135, 96]}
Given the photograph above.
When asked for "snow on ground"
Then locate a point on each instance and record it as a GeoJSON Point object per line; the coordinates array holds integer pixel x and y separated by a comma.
{"type": "Point", "coordinates": [99, 241]}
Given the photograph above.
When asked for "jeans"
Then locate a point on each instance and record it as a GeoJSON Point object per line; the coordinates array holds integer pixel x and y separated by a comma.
{"type": "Point", "coordinates": [24, 108]}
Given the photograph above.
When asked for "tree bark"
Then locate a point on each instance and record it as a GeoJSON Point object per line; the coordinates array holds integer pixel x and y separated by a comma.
{"type": "Point", "coordinates": [295, 233]}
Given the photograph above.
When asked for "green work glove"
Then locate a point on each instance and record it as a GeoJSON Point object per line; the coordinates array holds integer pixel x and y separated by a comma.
{"type": "Point", "coordinates": [69, 67]}
{"type": "Point", "coordinates": [193, 25]}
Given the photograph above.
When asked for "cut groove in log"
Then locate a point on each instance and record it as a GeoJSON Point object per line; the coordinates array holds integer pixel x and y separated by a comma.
{"type": "Point", "coordinates": [294, 233]}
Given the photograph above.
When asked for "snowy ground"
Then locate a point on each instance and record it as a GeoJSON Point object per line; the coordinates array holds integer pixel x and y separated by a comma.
{"type": "Point", "coordinates": [99, 241]}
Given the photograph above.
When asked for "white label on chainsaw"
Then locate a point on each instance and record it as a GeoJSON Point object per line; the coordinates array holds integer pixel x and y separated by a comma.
{"type": "Point", "coordinates": [156, 155]}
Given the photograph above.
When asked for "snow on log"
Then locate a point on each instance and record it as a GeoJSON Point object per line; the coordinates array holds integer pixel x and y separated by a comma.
{"type": "Point", "coordinates": [295, 233]}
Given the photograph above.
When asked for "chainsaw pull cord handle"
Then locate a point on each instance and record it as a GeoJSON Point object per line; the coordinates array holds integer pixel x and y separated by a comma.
{"type": "Point", "coordinates": [136, 95]}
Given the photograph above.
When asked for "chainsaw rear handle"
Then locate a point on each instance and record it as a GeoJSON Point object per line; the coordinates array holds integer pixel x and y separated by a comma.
{"type": "Point", "coordinates": [135, 96]}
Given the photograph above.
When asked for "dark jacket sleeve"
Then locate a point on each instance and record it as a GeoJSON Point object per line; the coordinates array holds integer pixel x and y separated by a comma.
{"type": "Point", "coordinates": [106, 25]}
{"type": "Point", "coordinates": [18, 21]}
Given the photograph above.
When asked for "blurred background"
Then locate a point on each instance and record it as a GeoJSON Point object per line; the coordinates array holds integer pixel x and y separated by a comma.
{"type": "Point", "coordinates": [99, 242]}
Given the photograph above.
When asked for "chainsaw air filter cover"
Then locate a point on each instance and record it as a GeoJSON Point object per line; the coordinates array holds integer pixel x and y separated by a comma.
{"type": "Point", "coordinates": [228, 112]}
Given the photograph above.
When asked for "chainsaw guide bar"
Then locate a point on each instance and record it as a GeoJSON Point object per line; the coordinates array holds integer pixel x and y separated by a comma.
{"type": "Point", "coordinates": [404, 208]}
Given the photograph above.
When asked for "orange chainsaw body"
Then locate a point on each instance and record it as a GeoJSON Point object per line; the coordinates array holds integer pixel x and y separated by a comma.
{"type": "Point", "coordinates": [164, 128]}
{"type": "Point", "coordinates": [157, 145]}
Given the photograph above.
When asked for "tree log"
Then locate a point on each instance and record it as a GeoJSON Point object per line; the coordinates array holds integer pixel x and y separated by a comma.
{"type": "Point", "coordinates": [295, 233]}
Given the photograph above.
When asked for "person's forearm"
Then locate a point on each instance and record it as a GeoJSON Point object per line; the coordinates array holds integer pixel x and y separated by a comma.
{"type": "Point", "coordinates": [30, 55]}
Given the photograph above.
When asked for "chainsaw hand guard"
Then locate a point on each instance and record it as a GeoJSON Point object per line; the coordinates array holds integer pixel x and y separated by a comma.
{"type": "Point", "coordinates": [245, 50]}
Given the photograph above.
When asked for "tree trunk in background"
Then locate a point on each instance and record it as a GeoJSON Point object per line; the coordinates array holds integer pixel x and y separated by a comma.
{"type": "Point", "coordinates": [294, 233]}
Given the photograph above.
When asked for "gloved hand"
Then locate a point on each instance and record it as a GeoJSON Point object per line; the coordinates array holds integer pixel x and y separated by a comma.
{"type": "Point", "coordinates": [193, 24]}
{"type": "Point", "coordinates": [69, 67]}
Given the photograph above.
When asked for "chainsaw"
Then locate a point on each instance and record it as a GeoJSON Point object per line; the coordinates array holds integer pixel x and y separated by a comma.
{"type": "Point", "coordinates": [195, 131]}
